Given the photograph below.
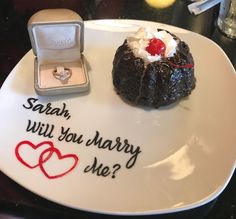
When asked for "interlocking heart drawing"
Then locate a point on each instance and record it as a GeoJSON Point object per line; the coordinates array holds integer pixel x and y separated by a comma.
{"type": "Point", "coordinates": [45, 156]}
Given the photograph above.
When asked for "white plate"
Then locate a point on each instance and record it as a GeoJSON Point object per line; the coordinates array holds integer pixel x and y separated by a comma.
{"type": "Point", "coordinates": [188, 150]}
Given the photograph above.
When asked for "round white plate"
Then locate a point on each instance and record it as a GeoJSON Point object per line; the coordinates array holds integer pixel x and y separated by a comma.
{"type": "Point", "coordinates": [143, 161]}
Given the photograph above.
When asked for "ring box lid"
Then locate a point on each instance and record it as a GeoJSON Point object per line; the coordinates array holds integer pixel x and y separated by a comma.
{"type": "Point", "coordinates": [57, 35]}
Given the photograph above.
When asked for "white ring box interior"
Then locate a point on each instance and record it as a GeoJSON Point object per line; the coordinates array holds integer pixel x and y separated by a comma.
{"type": "Point", "coordinates": [57, 38]}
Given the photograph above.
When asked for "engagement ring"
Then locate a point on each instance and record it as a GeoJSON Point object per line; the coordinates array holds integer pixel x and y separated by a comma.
{"type": "Point", "coordinates": [62, 74]}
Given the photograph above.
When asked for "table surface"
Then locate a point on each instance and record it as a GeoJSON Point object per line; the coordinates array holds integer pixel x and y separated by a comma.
{"type": "Point", "coordinates": [17, 202]}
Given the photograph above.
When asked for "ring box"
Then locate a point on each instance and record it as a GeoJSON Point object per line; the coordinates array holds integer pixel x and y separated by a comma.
{"type": "Point", "coordinates": [57, 39]}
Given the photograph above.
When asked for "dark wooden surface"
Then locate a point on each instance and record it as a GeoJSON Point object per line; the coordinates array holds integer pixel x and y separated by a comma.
{"type": "Point", "coordinates": [16, 201]}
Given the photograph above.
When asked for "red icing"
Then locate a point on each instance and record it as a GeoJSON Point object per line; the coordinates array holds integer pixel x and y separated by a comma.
{"type": "Point", "coordinates": [60, 157]}
{"type": "Point", "coordinates": [156, 47]}
{"type": "Point", "coordinates": [36, 148]}
{"type": "Point", "coordinates": [43, 153]}
{"type": "Point", "coordinates": [181, 66]}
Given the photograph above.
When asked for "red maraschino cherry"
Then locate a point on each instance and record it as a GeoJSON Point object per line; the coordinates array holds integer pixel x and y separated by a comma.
{"type": "Point", "coordinates": [156, 47]}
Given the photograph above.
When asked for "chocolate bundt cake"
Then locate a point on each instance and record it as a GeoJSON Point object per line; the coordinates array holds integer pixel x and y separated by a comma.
{"type": "Point", "coordinates": [153, 68]}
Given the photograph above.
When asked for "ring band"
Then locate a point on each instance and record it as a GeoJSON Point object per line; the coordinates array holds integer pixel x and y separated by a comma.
{"type": "Point", "coordinates": [62, 74]}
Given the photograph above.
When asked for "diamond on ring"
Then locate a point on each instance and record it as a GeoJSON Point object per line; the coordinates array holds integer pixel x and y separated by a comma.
{"type": "Point", "coordinates": [62, 74]}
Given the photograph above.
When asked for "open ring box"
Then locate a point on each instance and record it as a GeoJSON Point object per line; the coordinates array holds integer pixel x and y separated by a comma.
{"type": "Point", "coordinates": [57, 38]}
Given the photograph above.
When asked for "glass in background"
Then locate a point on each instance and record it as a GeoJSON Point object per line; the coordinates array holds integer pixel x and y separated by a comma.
{"type": "Point", "coordinates": [227, 18]}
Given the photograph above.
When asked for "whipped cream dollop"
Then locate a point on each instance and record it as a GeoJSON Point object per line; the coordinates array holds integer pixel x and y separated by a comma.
{"type": "Point", "coordinates": [139, 41]}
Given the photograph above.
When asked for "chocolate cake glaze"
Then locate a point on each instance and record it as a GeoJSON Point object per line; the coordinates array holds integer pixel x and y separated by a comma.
{"type": "Point", "coordinates": [157, 83]}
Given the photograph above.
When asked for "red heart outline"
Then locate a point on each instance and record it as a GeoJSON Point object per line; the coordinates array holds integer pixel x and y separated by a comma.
{"type": "Point", "coordinates": [60, 157]}
{"type": "Point", "coordinates": [35, 147]}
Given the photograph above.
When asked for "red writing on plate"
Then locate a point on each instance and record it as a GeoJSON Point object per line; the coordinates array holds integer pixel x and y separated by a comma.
{"type": "Point", "coordinates": [44, 155]}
